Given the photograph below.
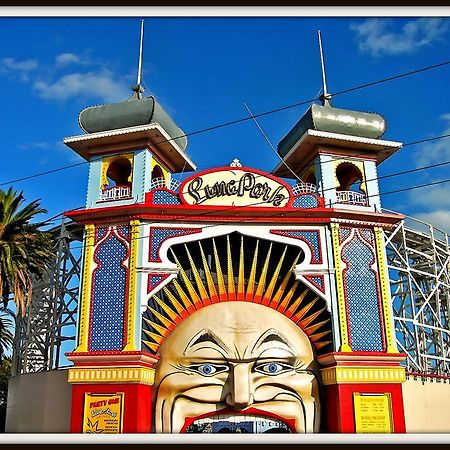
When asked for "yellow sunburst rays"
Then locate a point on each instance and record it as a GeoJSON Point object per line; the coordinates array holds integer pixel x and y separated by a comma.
{"type": "Point", "coordinates": [251, 281]}
{"type": "Point", "coordinates": [219, 274]}
{"type": "Point", "coordinates": [182, 301]}
{"type": "Point", "coordinates": [213, 296]}
{"type": "Point", "coordinates": [241, 275]}
{"type": "Point", "coordinates": [187, 282]}
{"type": "Point", "coordinates": [262, 280]}
{"type": "Point", "coordinates": [271, 287]}
{"type": "Point", "coordinates": [230, 275]}
{"type": "Point", "coordinates": [275, 301]}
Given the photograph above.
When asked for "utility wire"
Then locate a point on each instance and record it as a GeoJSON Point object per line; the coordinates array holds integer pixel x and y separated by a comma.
{"type": "Point", "coordinates": [277, 214]}
{"type": "Point", "coordinates": [273, 111]}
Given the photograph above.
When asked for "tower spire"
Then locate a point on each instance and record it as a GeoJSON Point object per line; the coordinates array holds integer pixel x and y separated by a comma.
{"type": "Point", "coordinates": [326, 96]}
{"type": "Point", "coordinates": [138, 88]}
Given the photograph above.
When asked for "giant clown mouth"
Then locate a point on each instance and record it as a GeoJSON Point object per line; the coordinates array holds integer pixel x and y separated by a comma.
{"type": "Point", "coordinates": [226, 421]}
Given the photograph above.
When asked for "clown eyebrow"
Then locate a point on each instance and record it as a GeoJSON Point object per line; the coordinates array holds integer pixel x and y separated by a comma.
{"type": "Point", "coordinates": [207, 336]}
{"type": "Point", "coordinates": [270, 336]}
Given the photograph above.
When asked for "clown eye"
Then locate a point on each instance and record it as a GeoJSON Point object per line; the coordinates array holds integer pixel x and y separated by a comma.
{"type": "Point", "coordinates": [208, 369]}
{"type": "Point", "coordinates": [273, 368]}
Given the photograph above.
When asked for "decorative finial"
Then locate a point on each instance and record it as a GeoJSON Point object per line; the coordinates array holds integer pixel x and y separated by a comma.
{"type": "Point", "coordinates": [326, 96]}
{"type": "Point", "coordinates": [138, 88]}
{"type": "Point", "coordinates": [235, 163]}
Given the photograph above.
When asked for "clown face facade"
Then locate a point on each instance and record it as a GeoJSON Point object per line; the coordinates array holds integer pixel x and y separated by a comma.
{"type": "Point", "coordinates": [242, 363]}
{"type": "Point", "coordinates": [236, 366]}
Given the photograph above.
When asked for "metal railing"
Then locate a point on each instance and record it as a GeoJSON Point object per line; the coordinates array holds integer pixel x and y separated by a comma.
{"type": "Point", "coordinates": [351, 198]}
{"type": "Point", "coordinates": [301, 188]}
{"type": "Point", "coordinates": [161, 183]}
{"type": "Point", "coordinates": [115, 193]}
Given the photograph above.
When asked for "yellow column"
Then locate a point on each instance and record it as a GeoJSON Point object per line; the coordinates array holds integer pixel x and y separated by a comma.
{"type": "Point", "coordinates": [85, 300]}
{"type": "Point", "coordinates": [132, 300]}
{"type": "Point", "coordinates": [345, 346]}
{"type": "Point", "coordinates": [385, 292]}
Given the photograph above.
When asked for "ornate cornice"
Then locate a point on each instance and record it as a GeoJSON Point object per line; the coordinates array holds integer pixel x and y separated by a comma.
{"type": "Point", "coordinates": [94, 375]}
{"type": "Point", "coordinates": [362, 375]}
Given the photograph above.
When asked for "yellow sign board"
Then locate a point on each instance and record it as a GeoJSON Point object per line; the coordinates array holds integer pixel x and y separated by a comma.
{"type": "Point", "coordinates": [103, 413]}
{"type": "Point", "coordinates": [373, 413]}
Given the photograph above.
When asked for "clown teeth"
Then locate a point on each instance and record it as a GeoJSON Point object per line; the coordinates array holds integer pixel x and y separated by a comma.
{"type": "Point", "coordinates": [228, 423]}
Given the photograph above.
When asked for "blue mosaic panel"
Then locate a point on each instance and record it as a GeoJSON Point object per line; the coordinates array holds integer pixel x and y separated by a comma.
{"type": "Point", "coordinates": [367, 235]}
{"type": "Point", "coordinates": [100, 232]}
{"type": "Point", "coordinates": [124, 230]}
{"type": "Point", "coordinates": [306, 201]}
{"type": "Point", "coordinates": [155, 280]}
{"type": "Point", "coordinates": [310, 237]}
{"type": "Point", "coordinates": [108, 297]}
{"type": "Point", "coordinates": [159, 235]}
{"type": "Point", "coordinates": [317, 280]}
{"type": "Point", "coordinates": [360, 285]}
{"type": "Point", "coordinates": [163, 197]}
{"type": "Point", "coordinates": [344, 234]}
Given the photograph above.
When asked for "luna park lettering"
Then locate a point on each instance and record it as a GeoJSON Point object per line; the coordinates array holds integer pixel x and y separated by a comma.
{"type": "Point", "coordinates": [246, 185]}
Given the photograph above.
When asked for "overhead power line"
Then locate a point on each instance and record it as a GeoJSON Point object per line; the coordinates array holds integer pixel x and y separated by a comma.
{"type": "Point", "coordinates": [277, 214]}
{"type": "Point", "coordinates": [265, 113]}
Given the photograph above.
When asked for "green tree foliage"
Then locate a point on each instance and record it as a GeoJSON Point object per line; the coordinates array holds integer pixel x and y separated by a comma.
{"type": "Point", "coordinates": [25, 250]}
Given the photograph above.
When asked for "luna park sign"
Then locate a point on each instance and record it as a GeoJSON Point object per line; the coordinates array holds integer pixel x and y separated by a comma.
{"type": "Point", "coordinates": [235, 187]}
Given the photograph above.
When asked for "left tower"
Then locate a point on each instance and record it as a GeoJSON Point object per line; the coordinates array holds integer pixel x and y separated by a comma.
{"type": "Point", "coordinates": [132, 148]}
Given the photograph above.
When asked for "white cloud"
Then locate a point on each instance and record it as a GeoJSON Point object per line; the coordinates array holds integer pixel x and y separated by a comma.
{"type": "Point", "coordinates": [18, 69]}
{"type": "Point", "coordinates": [11, 64]}
{"type": "Point", "coordinates": [380, 37]}
{"type": "Point", "coordinates": [439, 218]}
{"type": "Point", "coordinates": [432, 197]}
{"type": "Point", "coordinates": [42, 146]}
{"type": "Point", "coordinates": [437, 151]}
{"type": "Point", "coordinates": [65, 59]}
{"type": "Point", "coordinates": [101, 85]}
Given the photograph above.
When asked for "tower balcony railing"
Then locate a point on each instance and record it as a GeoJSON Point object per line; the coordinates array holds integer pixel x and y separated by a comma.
{"type": "Point", "coordinates": [301, 188]}
{"type": "Point", "coordinates": [352, 198]}
{"type": "Point", "coordinates": [115, 193]}
{"type": "Point", "coordinates": [161, 183]}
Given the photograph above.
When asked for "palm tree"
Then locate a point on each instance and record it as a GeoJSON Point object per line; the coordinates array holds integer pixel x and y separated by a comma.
{"type": "Point", "coordinates": [25, 250]}
{"type": "Point", "coordinates": [6, 335]}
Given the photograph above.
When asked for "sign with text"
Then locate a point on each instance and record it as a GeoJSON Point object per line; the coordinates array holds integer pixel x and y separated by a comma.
{"type": "Point", "coordinates": [373, 413]}
{"type": "Point", "coordinates": [235, 187]}
{"type": "Point", "coordinates": [103, 413]}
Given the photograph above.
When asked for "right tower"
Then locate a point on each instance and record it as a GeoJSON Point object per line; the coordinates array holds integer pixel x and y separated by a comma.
{"type": "Point", "coordinates": [336, 152]}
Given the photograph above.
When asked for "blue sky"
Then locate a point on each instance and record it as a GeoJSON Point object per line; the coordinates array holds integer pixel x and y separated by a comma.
{"type": "Point", "coordinates": [202, 70]}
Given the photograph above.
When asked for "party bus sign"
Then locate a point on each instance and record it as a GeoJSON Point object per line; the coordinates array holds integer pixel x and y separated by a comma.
{"type": "Point", "coordinates": [235, 187]}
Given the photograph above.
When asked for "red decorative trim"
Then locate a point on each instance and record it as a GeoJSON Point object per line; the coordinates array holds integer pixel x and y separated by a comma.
{"type": "Point", "coordinates": [238, 169]}
{"type": "Point", "coordinates": [377, 284]}
{"type": "Point", "coordinates": [105, 238]}
{"type": "Point", "coordinates": [309, 277]}
{"type": "Point", "coordinates": [155, 274]}
{"type": "Point", "coordinates": [110, 353]}
{"type": "Point", "coordinates": [201, 213]}
{"type": "Point", "coordinates": [428, 375]}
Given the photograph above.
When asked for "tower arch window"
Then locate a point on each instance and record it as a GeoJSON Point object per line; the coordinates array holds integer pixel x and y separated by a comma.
{"type": "Point", "coordinates": [119, 172]}
{"type": "Point", "coordinates": [157, 177]}
{"type": "Point", "coordinates": [311, 178]}
{"type": "Point", "coordinates": [349, 181]}
{"type": "Point", "coordinates": [116, 178]}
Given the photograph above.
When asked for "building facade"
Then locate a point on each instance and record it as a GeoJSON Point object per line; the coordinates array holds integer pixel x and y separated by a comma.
{"type": "Point", "coordinates": [238, 300]}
